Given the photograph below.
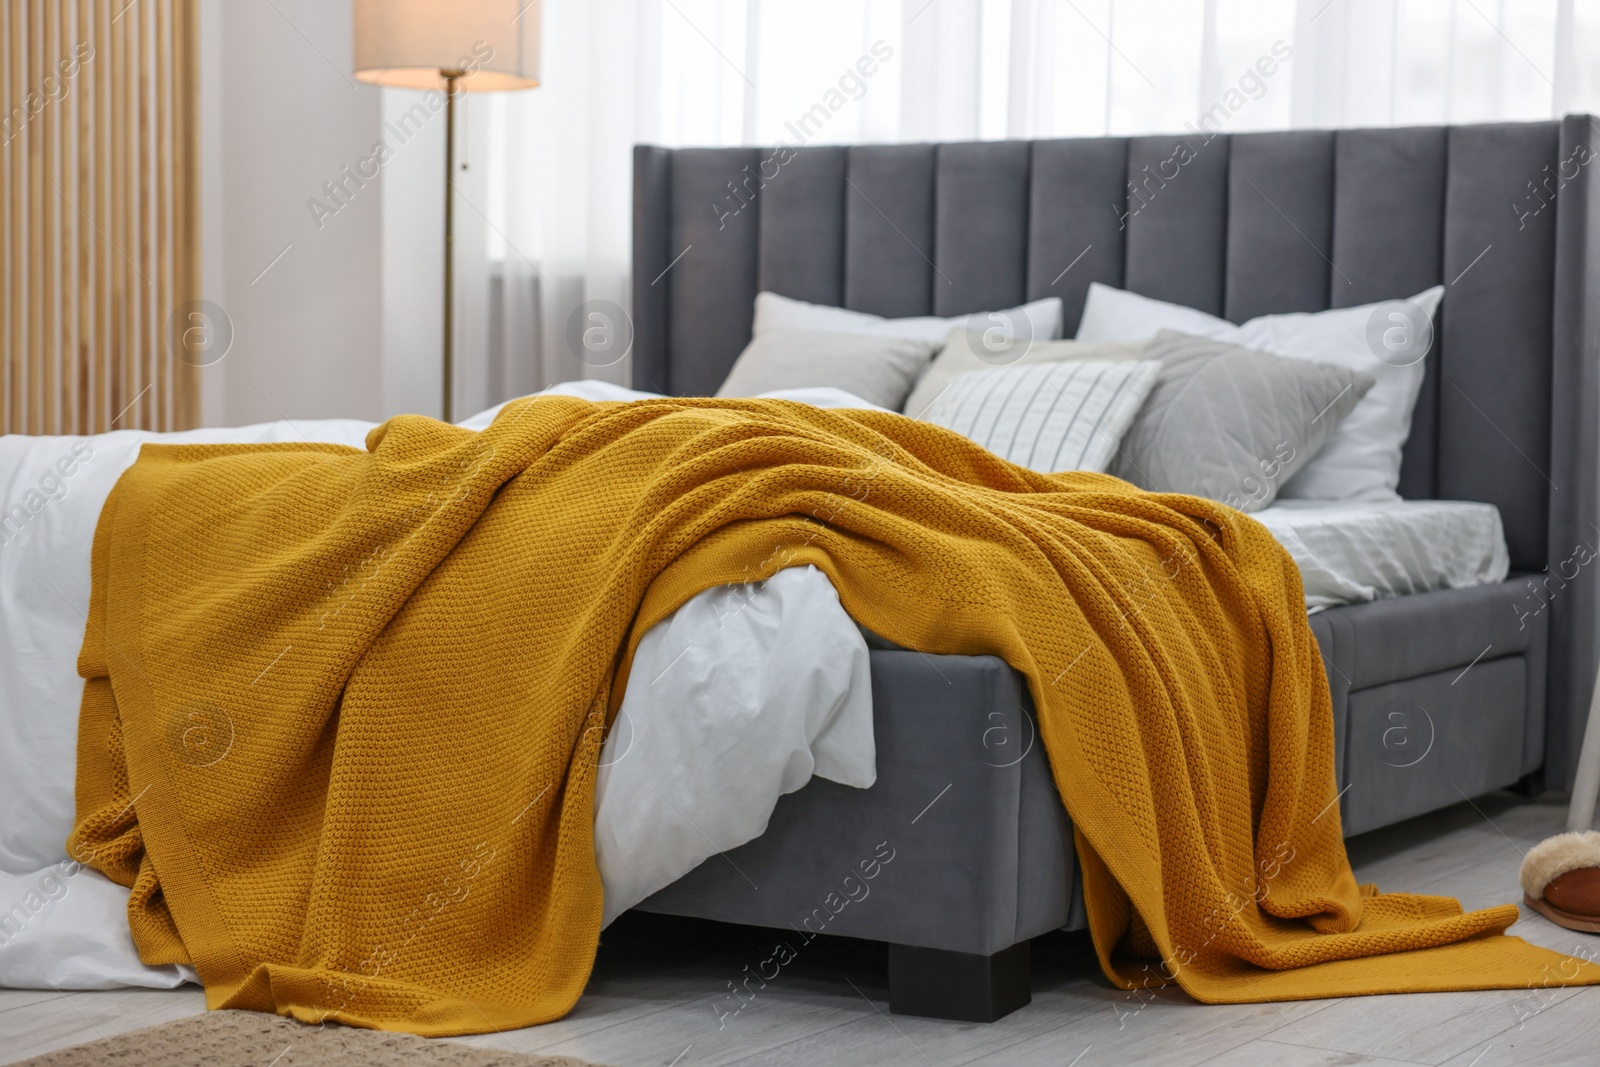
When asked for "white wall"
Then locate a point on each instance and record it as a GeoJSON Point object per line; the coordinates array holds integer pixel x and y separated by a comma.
{"type": "Point", "coordinates": [280, 115]}
{"type": "Point", "coordinates": [413, 228]}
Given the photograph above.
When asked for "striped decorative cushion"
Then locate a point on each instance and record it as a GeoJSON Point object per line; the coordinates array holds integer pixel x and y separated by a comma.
{"type": "Point", "coordinates": [1048, 416]}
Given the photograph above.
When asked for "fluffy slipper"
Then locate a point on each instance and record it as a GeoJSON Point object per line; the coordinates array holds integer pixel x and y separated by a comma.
{"type": "Point", "coordinates": [1561, 880]}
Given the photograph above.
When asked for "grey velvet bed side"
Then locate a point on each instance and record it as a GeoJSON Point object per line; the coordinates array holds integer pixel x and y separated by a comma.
{"type": "Point", "coordinates": [1435, 696]}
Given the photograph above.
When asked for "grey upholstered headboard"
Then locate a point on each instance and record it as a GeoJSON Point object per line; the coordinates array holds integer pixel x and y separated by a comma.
{"type": "Point", "coordinates": [1239, 225]}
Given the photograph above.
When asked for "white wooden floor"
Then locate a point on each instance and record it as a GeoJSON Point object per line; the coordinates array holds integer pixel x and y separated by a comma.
{"type": "Point", "coordinates": [655, 987]}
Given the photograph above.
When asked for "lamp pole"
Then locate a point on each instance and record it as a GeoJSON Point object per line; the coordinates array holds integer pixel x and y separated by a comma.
{"type": "Point", "coordinates": [450, 79]}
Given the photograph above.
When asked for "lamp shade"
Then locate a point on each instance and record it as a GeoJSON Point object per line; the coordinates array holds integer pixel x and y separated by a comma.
{"type": "Point", "coordinates": [409, 42]}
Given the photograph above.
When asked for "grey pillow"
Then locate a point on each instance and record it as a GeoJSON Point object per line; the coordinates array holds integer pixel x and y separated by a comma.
{"type": "Point", "coordinates": [879, 369]}
{"type": "Point", "coordinates": [1232, 423]}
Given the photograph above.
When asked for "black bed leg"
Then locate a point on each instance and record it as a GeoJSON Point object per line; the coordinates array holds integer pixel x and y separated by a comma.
{"type": "Point", "coordinates": [959, 985]}
{"type": "Point", "coordinates": [1529, 785]}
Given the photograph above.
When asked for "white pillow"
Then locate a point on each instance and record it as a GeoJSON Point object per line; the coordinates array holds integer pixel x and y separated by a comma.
{"type": "Point", "coordinates": [1387, 340]}
{"type": "Point", "coordinates": [1111, 314]}
{"type": "Point", "coordinates": [1040, 320]}
{"type": "Point", "coordinates": [1048, 416]}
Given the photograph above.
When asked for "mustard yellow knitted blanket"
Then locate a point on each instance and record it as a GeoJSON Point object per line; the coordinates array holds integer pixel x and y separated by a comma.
{"type": "Point", "coordinates": [343, 708]}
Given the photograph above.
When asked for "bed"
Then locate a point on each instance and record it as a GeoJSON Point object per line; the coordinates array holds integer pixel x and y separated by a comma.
{"type": "Point", "coordinates": [931, 822]}
{"type": "Point", "coordinates": [1438, 696]}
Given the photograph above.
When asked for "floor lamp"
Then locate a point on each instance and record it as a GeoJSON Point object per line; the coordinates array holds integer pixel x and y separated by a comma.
{"type": "Point", "coordinates": [455, 46]}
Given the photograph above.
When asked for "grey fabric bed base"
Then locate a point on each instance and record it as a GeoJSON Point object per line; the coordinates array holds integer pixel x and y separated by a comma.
{"type": "Point", "coordinates": [981, 846]}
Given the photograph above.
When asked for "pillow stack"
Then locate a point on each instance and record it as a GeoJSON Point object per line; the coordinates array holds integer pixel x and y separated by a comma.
{"type": "Point", "coordinates": [1307, 405]}
{"type": "Point", "coordinates": [1388, 341]}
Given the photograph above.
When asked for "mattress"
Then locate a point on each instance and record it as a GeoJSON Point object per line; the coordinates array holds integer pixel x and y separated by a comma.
{"type": "Point", "coordinates": [1352, 551]}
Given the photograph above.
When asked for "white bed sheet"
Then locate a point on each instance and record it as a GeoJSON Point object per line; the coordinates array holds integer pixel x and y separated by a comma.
{"type": "Point", "coordinates": [1353, 551]}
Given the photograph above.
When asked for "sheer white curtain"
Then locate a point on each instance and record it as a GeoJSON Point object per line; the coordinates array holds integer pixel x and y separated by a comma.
{"type": "Point", "coordinates": [556, 162]}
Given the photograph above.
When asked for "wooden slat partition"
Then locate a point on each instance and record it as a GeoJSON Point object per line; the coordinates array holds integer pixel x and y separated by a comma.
{"type": "Point", "coordinates": [99, 215]}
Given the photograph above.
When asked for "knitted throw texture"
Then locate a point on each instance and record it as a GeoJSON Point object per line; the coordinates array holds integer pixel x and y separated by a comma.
{"type": "Point", "coordinates": [343, 709]}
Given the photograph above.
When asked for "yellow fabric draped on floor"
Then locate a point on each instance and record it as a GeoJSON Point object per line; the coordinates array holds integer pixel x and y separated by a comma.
{"type": "Point", "coordinates": [343, 708]}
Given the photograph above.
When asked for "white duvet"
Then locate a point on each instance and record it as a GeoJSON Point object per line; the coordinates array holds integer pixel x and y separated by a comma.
{"type": "Point", "coordinates": [740, 696]}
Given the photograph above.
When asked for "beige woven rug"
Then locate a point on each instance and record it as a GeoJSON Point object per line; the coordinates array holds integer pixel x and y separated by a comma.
{"type": "Point", "coordinates": [256, 1039]}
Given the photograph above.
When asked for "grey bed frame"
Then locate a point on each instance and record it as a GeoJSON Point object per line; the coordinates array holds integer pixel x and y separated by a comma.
{"type": "Point", "coordinates": [1436, 697]}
